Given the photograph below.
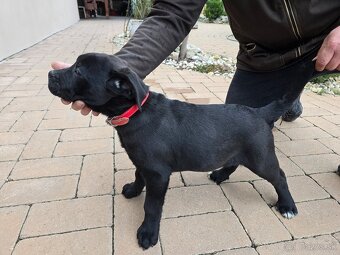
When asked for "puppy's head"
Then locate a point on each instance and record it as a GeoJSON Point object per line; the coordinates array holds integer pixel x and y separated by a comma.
{"type": "Point", "coordinates": [98, 79]}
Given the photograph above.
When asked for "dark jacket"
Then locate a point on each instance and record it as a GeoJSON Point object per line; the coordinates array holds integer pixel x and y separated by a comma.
{"type": "Point", "coordinates": [271, 33]}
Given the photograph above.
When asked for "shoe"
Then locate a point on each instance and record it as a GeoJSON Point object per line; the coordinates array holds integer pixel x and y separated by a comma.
{"type": "Point", "coordinates": [294, 112]}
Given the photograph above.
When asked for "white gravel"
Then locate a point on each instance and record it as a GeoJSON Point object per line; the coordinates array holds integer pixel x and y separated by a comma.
{"type": "Point", "coordinates": [331, 86]}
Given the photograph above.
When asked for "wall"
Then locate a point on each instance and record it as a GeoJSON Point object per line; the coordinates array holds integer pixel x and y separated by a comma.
{"type": "Point", "coordinates": [26, 22]}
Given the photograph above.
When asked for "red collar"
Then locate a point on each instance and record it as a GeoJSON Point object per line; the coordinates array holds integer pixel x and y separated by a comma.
{"type": "Point", "coordinates": [124, 118]}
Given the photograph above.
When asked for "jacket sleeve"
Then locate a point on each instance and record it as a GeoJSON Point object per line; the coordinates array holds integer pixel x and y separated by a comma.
{"type": "Point", "coordinates": [169, 22]}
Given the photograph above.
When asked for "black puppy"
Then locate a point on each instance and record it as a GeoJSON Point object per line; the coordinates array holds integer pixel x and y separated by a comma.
{"type": "Point", "coordinates": [162, 136]}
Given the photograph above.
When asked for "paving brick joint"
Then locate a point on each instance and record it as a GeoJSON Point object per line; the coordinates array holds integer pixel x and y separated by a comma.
{"type": "Point", "coordinates": [61, 173]}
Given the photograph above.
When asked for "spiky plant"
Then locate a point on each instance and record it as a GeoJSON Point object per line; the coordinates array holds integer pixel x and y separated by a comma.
{"type": "Point", "coordinates": [141, 8]}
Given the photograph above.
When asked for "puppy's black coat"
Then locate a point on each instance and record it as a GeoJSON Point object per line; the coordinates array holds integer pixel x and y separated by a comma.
{"type": "Point", "coordinates": [168, 135]}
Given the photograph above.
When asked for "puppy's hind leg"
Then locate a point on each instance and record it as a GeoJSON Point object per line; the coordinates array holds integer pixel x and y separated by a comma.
{"type": "Point", "coordinates": [220, 175]}
{"type": "Point", "coordinates": [272, 172]}
{"type": "Point", "coordinates": [285, 203]}
{"type": "Point", "coordinates": [134, 189]}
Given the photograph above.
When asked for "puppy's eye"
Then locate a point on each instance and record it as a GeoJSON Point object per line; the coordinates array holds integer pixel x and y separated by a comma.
{"type": "Point", "coordinates": [77, 71]}
{"type": "Point", "coordinates": [117, 83]}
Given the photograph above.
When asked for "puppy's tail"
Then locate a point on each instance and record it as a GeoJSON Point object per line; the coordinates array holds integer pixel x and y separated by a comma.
{"type": "Point", "coordinates": [273, 111]}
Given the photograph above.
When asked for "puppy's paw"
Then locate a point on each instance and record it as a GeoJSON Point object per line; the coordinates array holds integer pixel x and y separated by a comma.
{"type": "Point", "coordinates": [287, 211]}
{"type": "Point", "coordinates": [218, 176]}
{"type": "Point", "coordinates": [130, 191]}
{"type": "Point", "coordinates": [147, 236]}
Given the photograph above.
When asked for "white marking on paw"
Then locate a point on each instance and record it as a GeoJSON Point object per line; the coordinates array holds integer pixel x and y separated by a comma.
{"type": "Point", "coordinates": [209, 173]}
{"type": "Point", "coordinates": [288, 215]}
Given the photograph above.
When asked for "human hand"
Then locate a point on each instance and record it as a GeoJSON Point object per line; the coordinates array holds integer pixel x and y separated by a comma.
{"type": "Point", "coordinates": [328, 56]}
{"type": "Point", "coordinates": [76, 105]}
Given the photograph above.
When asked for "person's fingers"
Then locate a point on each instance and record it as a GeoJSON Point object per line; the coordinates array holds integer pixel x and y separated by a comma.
{"type": "Point", "coordinates": [56, 65]}
{"type": "Point", "coordinates": [65, 101]}
{"type": "Point", "coordinates": [334, 62]}
{"type": "Point", "coordinates": [85, 111]}
{"type": "Point", "coordinates": [325, 54]}
{"type": "Point", "coordinates": [78, 105]}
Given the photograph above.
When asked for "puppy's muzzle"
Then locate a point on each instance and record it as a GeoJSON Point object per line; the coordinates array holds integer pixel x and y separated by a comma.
{"type": "Point", "coordinates": [53, 83]}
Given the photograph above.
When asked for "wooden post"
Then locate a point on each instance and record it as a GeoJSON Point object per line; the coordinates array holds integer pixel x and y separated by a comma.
{"type": "Point", "coordinates": [107, 9]}
{"type": "Point", "coordinates": [183, 48]}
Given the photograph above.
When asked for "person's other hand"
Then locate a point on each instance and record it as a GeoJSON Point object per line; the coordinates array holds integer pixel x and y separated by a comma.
{"type": "Point", "coordinates": [76, 105]}
{"type": "Point", "coordinates": [328, 56]}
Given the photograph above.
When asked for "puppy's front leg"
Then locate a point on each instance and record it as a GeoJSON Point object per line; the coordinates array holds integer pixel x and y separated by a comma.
{"type": "Point", "coordinates": [156, 187]}
{"type": "Point", "coordinates": [134, 189]}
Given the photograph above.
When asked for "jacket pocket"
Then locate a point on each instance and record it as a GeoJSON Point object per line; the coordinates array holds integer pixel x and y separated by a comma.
{"type": "Point", "coordinates": [254, 51]}
{"type": "Point", "coordinates": [257, 58]}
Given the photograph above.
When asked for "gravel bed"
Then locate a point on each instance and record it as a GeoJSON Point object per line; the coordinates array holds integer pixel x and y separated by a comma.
{"type": "Point", "coordinates": [203, 62]}
{"type": "Point", "coordinates": [220, 20]}
{"type": "Point", "coordinates": [331, 86]}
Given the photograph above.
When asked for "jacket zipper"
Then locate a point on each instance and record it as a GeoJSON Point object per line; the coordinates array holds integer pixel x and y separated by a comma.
{"type": "Point", "coordinates": [293, 23]}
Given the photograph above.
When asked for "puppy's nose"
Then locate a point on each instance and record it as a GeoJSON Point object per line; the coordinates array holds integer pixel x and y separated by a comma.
{"type": "Point", "coordinates": [51, 74]}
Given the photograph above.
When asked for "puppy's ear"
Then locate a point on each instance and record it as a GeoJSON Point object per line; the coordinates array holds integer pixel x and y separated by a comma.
{"type": "Point", "coordinates": [127, 84]}
{"type": "Point", "coordinates": [118, 86]}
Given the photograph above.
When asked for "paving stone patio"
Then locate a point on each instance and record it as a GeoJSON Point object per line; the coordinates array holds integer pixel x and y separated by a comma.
{"type": "Point", "coordinates": [61, 173]}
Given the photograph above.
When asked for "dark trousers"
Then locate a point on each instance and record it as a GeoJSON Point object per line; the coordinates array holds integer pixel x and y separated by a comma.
{"type": "Point", "coordinates": [256, 89]}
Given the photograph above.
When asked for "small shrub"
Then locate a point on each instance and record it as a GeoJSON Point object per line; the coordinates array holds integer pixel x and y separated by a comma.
{"type": "Point", "coordinates": [213, 9]}
{"type": "Point", "coordinates": [141, 8]}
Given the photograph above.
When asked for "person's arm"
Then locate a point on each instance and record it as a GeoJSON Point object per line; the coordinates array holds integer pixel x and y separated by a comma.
{"type": "Point", "coordinates": [169, 22]}
{"type": "Point", "coordinates": [328, 56]}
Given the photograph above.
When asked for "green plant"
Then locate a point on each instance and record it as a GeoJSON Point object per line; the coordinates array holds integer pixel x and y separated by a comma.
{"type": "Point", "coordinates": [211, 68]}
{"type": "Point", "coordinates": [141, 8]}
{"type": "Point", "coordinates": [213, 9]}
{"type": "Point", "coordinates": [324, 78]}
